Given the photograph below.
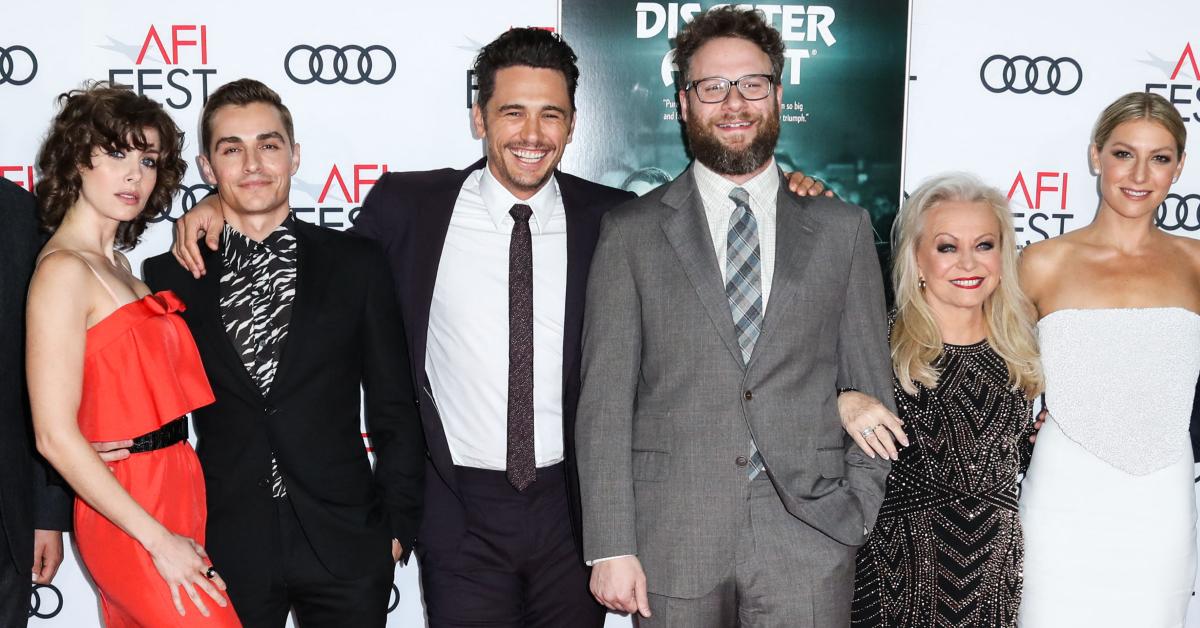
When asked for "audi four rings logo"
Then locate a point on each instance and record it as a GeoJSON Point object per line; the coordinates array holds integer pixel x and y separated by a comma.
{"type": "Point", "coordinates": [351, 64]}
{"type": "Point", "coordinates": [186, 198]}
{"type": "Point", "coordinates": [1179, 212]}
{"type": "Point", "coordinates": [393, 599]}
{"type": "Point", "coordinates": [18, 65]}
{"type": "Point", "coordinates": [1022, 74]}
{"type": "Point", "coordinates": [45, 601]}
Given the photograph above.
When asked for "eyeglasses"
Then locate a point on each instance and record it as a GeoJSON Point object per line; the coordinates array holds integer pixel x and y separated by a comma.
{"type": "Point", "coordinates": [716, 89]}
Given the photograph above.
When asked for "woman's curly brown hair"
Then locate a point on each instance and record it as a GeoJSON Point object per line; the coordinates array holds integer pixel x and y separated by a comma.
{"type": "Point", "coordinates": [109, 118]}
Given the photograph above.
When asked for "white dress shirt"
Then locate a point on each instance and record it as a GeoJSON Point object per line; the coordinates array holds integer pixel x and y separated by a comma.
{"type": "Point", "coordinates": [718, 207]}
{"type": "Point", "coordinates": [467, 353]}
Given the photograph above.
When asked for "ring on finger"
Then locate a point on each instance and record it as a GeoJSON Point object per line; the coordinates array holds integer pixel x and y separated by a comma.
{"type": "Point", "coordinates": [211, 573]}
{"type": "Point", "coordinates": [867, 431]}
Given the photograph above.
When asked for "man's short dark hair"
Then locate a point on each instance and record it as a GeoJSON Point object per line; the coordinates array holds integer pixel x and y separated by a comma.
{"type": "Point", "coordinates": [531, 47]}
{"type": "Point", "coordinates": [728, 21]}
{"type": "Point", "coordinates": [240, 93]}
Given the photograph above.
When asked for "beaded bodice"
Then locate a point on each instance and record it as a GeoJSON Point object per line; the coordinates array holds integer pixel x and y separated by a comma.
{"type": "Point", "coordinates": [969, 435]}
{"type": "Point", "coordinates": [1121, 381]}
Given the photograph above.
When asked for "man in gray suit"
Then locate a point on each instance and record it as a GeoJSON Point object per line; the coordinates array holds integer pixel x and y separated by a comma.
{"type": "Point", "coordinates": [724, 314]}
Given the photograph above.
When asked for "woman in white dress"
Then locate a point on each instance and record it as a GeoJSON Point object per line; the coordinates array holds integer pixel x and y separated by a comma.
{"type": "Point", "coordinates": [1107, 505]}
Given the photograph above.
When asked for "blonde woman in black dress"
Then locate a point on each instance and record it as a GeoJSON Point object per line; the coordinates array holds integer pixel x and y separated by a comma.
{"type": "Point", "coordinates": [946, 549]}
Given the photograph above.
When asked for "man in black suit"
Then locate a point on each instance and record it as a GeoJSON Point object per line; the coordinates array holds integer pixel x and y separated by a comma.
{"type": "Point", "coordinates": [491, 265]}
{"type": "Point", "coordinates": [32, 511]}
{"type": "Point", "coordinates": [290, 321]}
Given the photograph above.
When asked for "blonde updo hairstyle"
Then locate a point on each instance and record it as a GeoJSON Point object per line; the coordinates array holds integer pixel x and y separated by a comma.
{"type": "Point", "coordinates": [1140, 106]}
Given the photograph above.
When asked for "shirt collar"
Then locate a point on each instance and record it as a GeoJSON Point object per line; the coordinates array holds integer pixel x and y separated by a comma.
{"type": "Point", "coordinates": [281, 241]}
{"type": "Point", "coordinates": [498, 200]}
{"type": "Point", "coordinates": [763, 188]}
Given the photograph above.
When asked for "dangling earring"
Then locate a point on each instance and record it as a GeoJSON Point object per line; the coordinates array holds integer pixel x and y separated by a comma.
{"type": "Point", "coordinates": [921, 283]}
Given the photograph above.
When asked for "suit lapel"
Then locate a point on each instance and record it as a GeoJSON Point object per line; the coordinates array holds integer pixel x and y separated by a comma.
{"type": "Point", "coordinates": [206, 307]}
{"type": "Point", "coordinates": [430, 226]}
{"type": "Point", "coordinates": [795, 235]}
{"type": "Point", "coordinates": [311, 275]}
{"type": "Point", "coordinates": [581, 240]}
{"type": "Point", "coordinates": [687, 232]}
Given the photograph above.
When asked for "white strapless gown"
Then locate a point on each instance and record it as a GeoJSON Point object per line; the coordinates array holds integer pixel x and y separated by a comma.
{"type": "Point", "coordinates": [1108, 505]}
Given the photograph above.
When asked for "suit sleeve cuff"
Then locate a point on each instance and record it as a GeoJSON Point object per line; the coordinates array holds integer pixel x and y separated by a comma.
{"type": "Point", "coordinates": [593, 563]}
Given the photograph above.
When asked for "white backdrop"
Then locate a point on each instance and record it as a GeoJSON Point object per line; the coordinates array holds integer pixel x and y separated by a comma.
{"type": "Point", "coordinates": [963, 111]}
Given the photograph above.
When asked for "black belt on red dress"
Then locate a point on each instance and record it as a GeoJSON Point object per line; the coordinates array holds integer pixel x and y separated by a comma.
{"type": "Point", "coordinates": [174, 432]}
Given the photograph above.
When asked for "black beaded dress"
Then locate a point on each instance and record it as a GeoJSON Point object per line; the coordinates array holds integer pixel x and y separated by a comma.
{"type": "Point", "coordinates": [946, 549]}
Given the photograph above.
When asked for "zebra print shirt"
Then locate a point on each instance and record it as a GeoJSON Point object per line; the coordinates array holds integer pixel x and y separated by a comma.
{"type": "Point", "coordinates": [257, 290]}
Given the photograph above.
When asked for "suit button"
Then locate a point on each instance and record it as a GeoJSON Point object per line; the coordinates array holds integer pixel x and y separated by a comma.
{"type": "Point", "coordinates": [748, 395]}
{"type": "Point", "coordinates": [417, 401]}
{"type": "Point", "coordinates": [264, 482]}
{"type": "Point", "coordinates": [741, 461]}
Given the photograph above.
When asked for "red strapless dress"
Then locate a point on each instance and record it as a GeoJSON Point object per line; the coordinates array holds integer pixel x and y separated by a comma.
{"type": "Point", "coordinates": [141, 370]}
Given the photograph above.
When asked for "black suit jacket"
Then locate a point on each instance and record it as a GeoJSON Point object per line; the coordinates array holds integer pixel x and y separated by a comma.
{"type": "Point", "coordinates": [27, 500]}
{"type": "Point", "coordinates": [345, 331]}
{"type": "Point", "coordinates": [409, 213]}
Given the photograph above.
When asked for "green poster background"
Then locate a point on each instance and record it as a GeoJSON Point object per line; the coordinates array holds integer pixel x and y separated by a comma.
{"type": "Point", "coordinates": [843, 95]}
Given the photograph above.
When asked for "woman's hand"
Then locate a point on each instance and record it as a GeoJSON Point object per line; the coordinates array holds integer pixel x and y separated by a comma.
{"type": "Point", "coordinates": [871, 425]}
{"type": "Point", "coordinates": [183, 563]}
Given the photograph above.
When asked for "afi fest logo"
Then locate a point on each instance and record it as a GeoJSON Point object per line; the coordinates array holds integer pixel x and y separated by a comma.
{"type": "Point", "coordinates": [21, 175]}
{"type": "Point", "coordinates": [1182, 85]}
{"type": "Point", "coordinates": [1021, 75]}
{"type": "Point", "coordinates": [1044, 194]}
{"type": "Point", "coordinates": [168, 65]}
{"type": "Point", "coordinates": [801, 27]}
{"type": "Point", "coordinates": [18, 65]}
{"type": "Point", "coordinates": [339, 195]}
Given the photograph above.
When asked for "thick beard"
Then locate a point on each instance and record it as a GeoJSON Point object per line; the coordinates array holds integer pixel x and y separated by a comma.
{"type": "Point", "coordinates": [708, 149]}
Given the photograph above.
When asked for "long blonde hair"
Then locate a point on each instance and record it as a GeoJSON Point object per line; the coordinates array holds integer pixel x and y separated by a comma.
{"type": "Point", "coordinates": [916, 338]}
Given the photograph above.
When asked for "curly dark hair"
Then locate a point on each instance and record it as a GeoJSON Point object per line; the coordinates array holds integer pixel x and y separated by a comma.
{"type": "Point", "coordinates": [108, 117]}
{"type": "Point", "coordinates": [728, 21]}
{"type": "Point", "coordinates": [532, 47]}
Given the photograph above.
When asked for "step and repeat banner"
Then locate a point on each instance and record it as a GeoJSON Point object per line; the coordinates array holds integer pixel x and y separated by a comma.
{"type": "Point", "coordinates": [877, 96]}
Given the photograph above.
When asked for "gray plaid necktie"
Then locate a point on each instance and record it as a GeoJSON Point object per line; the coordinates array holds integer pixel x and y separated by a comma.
{"type": "Point", "coordinates": [743, 287]}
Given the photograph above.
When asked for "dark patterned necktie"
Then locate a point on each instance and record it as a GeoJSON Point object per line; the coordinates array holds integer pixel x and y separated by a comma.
{"type": "Point", "coordinates": [519, 460]}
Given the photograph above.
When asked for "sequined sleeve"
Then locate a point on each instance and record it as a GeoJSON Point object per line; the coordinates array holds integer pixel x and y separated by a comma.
{"type": "Point", "coordinates": [1024, 447]}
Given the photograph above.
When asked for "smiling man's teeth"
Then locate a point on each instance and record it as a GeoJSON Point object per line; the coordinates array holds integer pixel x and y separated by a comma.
{"type": "Point", "coordinates": [527, 155]}
{"type": "Point", "coordinates": [733, 125]}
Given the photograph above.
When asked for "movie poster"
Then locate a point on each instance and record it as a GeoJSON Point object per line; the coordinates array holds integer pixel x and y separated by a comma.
{"type": "Point", "coordinates": [842, 117]}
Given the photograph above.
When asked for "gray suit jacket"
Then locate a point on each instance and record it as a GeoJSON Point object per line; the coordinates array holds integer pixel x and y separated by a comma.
{"type": "Point", "coordinates": [667, 406]}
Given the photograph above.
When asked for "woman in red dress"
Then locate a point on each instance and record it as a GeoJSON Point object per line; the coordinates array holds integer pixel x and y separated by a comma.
{"type": "Point", "coordinates": [107, 361]}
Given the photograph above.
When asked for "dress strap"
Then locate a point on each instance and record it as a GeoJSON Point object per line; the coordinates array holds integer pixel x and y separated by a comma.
{"type": "Point", "coordinates": [83, 259]}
